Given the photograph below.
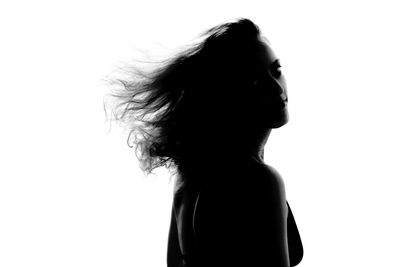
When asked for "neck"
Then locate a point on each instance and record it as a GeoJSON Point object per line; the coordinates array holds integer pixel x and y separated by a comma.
{"type": "Point", "coordinates": [249, 145]}
{"type": "Point", "coordinates": [245, 145]}
{"type": "Point", "coordinates": [258, 143]}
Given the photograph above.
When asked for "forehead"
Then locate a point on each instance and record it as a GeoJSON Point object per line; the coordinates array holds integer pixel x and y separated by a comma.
{"type": "Point", "coordinates": [267, 54]}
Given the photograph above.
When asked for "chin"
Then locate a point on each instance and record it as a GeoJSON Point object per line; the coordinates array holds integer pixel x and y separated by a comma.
{"type": "Point", "coordinates": [278, 124]}
{"type": "Point", "coordinates": [281, 120]}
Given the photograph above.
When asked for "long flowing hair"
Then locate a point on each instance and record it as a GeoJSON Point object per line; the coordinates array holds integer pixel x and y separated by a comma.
{"type": "Point", "coordinates": [181, 106]}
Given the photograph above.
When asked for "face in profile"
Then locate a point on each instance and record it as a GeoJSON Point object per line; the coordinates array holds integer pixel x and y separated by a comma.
{"type": "Point", "coordinates": [269, 89]}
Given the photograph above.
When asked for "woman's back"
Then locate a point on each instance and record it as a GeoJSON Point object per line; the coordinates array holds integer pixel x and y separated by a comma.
{"type": "Point", "coordinates": [215, 104]}
{"type": "Point", "coordinates": [220, 220]}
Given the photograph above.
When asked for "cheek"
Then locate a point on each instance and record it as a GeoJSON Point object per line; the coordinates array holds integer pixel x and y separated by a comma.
{"type": "Point", "coordinates": [264, 101]}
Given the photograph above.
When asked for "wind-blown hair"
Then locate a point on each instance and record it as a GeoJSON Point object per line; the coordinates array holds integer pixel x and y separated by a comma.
{"type": "Point", "coordinates": [184, 104]}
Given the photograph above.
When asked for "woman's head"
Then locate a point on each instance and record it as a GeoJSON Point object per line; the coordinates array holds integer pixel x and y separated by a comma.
{"type": "Point", "coordinates": [270, 88]}
{"type": "Point", "coordinates": [225, 89]}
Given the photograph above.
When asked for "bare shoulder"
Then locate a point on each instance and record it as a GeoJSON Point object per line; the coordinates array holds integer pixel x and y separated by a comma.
{"type": "Point", "coordinates": [269, 192]}
{"type": "Point", "coordinates": [268, 178]}
{"type": "Point", "coordinates": [247, 220]}
{"type": "Point", "coordinates": [248, 181]}
{"type": "Point", "coordinates": [255, 185]}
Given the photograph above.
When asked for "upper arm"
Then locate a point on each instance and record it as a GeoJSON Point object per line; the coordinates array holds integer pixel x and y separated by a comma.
{"type": "Point", "coordinates": [294, 241]}
{"type": "Point", "coordinates": [173, 250]}
{"type": "Point", "coordinates": [245, 227]}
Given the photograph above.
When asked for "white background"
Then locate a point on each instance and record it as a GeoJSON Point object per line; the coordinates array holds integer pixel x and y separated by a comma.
{"type": "Point", "coordinates": [71, 193]}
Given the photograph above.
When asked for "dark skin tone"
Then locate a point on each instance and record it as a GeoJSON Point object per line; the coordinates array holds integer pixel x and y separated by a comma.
{"type": "Point", "coordinates": [276, 78]}
{"type": "Point", "coordinates": [231, 230]}
{"type": "Point", "coordinates": [295, 245]}
{"type": "Point", "coordinates": [294, 240]}
{"type": "Point", "coordinates": [258, 228]}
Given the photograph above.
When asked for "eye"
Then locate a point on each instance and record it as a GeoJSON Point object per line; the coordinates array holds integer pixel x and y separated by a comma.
{"type": "Point", "coordinates": [262, 77]}
{"type": "Point", "coordinates": [276, 71]}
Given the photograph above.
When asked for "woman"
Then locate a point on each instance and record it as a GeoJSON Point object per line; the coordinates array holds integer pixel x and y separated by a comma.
{"type": "Point", "coordinates": [207, 113]}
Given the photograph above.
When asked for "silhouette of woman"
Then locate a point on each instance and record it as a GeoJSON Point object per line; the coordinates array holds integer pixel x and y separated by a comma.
{"type": "Point", "coordinates": [207, 113]}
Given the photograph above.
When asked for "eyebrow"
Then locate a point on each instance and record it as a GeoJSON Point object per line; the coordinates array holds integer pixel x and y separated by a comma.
{"type": "Point", "coordinates": [276, 62]}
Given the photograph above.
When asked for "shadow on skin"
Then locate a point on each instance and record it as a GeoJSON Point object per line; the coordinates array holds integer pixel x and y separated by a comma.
{"type": "Point", "coordinates": [206, 113]}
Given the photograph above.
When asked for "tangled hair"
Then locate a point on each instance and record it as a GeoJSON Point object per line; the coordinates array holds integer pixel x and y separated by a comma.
{"type": "Point", "coordinates": [181, 106]}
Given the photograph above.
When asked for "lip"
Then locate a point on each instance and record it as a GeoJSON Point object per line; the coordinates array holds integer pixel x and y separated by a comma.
{"type": "Point", "coordinates": [283, 105]}
{"type": "Point", "coordinates": [285, 102]}
{"type": "Point", "coordinates": [279, 104]}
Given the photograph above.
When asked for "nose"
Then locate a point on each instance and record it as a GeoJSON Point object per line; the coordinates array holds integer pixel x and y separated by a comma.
{"type": "Point", "coordinates": [274, 88]}
{"type": "Point", "coordinates": [284, 96]}
{"type": "Point", "coordinates": [281, 89]}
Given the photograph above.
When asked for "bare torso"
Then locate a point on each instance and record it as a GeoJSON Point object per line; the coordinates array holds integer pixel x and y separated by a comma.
{"type": "Point", "coordinates": [218, 189]}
